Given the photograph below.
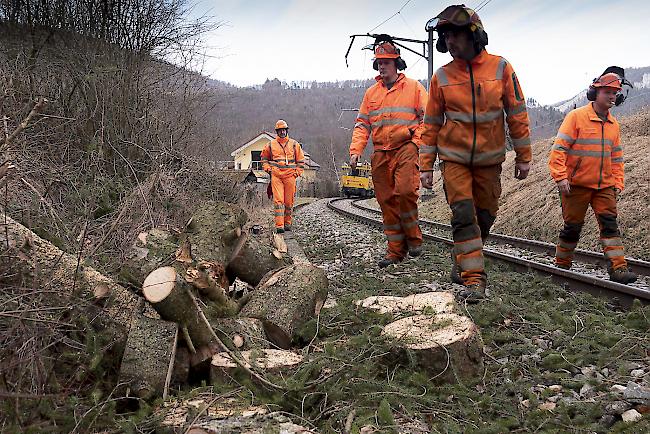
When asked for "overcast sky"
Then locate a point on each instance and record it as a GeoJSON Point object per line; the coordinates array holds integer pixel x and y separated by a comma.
{"type": "Point", "coordinates": [556, 47]}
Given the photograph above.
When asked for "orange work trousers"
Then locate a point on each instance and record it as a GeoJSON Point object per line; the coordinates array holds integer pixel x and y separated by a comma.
{"type": "Point", "coordinates": [574, 208]}
{"type": "Point", "coordinates": [284, 192]}
{"type": "Point", "coordinates": [396, 178]}
{"type": "Point", "coordinates": [473, 196]}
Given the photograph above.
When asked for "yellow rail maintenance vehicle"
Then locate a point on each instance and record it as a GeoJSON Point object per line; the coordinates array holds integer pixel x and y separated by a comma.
{"type": "Point", "coordinates": [358, 181]}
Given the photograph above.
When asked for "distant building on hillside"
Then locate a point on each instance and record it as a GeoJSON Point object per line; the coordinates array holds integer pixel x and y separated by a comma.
{"type": "Point", "coordinates": [249, 156]}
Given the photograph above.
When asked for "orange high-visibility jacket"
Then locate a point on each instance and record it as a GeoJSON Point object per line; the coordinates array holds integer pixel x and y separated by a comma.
{"type": "Point", "coordinates": [393, 116]}
{"type": "Point", "coordinates": [464, 120]}
{"type": "Point", "coordinates": [588, 151]}
{"type": "Point", "coordinates": [283, 159]}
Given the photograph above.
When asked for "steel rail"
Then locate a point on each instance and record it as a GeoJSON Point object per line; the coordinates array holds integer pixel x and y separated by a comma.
{"type": "Point", "coordinates": [580, 255]}
{"type": "Point", "coordinates": [574, 280]}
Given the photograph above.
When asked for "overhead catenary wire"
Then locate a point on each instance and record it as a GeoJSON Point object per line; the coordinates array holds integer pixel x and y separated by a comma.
{"type": "Point", "coordinates": [482, 5]}
{"type": "Point", "coordinates": [391, 17]}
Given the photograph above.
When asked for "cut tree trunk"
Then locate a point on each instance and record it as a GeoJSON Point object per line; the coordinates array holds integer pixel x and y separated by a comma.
{"type": "Point", "coordinates": [214, 229]}
{"type": "Point", "coordinates": [448, 346]}
{"type": "Point", "coordinates": [286, 300]}
{"type": "Point", "coordinates": [153, 249]}
{"type": "Point", "coordinates": [148, 360]}
{"type": "Point", "coordinates": [241, 333]}
{"type": "Point", "coordinates": [254, 260]}
{"type": "Point", "coordinates": [37, 263]}
{"type": "Point", "coordinates": [429, 302]}
{"type": "Point", "coordinates": [172, 298]}
{"type": "Point", "coordinates": [269, 361]}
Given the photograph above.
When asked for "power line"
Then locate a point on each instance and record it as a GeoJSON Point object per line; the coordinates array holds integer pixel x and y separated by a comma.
{"type": "Point", "coordinates": [481, 6]}
{"type": "Point", "coordinates": [390, 18]}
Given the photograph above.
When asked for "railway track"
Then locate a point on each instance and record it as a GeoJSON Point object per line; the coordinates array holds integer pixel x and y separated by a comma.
{"type": "Point", "coordinates": [587, 273]}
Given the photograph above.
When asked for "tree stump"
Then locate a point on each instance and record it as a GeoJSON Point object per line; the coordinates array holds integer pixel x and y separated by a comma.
{"type": "Point", "coordinates": [430, 302]}
{"type": "Point", "coordinates": [172, 298]}
{"type": "Point", "coordinates": [254, 260]}
{"type": "Point", "coordinates": [286, 300]}
{"type": "Point", "coordinates": [270, 361]}
{"type": "Point", "coordinates": [148, 360]}
{"type": "Point", "coordinates": [448, 346]}
{"type": "Point", "coordinates": [241, 333]}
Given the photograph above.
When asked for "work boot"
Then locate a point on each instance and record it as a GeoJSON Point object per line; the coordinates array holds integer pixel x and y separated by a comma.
{"type": "Point", "coordinates": [279, 230]}
{"type": "Point", "coordinates": [622, 275]}
{"type": "Point", "coordinates": [472, 293]}
{"type": "Point", "coordinates": [414, 252]}
{"type": "Point", "coordinates": [563, 266]}
{"type": "Point", "coordinates": [455, 270]}
{"type": "Point", "coordinates": [387, 261]}
{"type": "Point", "coordinates": [287, 228]}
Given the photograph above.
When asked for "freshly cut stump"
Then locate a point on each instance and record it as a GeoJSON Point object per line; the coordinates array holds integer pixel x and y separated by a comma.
{"type": "Point", "coordinates": [286, 300]}
{"type": "Point", "coordinates": [254, 260]}
{"type": "Point", "coordinates": [172, 298]}
{"type": "Point", "coordinates": [448, 346]}
{"type": "Point", "coordinates": [430, 302]}
{"type": "Point", "coordinates": [243, 333]}
{"type": "Point", "coordinates": [148, 360]}
{"type": "Point", "coordinates": [268, 360]}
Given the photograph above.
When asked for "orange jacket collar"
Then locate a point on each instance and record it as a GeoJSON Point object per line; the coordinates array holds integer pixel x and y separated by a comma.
{"type": "Point", "coordinates": [593, 116]}
{"type": "Point", "coordinates": [283, 140]}
{"type": "Point", "coordinates": [480, 58]}
{"type": "Point", "coordinates": [400, 77]}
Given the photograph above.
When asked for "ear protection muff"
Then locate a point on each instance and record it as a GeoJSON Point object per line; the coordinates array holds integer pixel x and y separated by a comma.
{"type": "Point", "coordinates": [591, 93]}
{"type": "Point", "coordinates": [399, 63]}
{"type": "Point", "coordinates": [441, 46]}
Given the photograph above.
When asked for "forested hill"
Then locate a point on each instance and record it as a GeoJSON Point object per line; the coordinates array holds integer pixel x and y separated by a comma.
{"type": "Point", "coordinates": [314, 113]}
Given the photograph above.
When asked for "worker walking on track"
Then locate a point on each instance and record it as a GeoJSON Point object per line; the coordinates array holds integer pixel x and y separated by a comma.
{"type": "Point", "coordinates": [391, 113]}
{"type": "Point", "coordinates": [586, 162]}
{"type": "Point", "coordinates": [464, 128]}
{"type": "Point", "coordinates": [284, 160]}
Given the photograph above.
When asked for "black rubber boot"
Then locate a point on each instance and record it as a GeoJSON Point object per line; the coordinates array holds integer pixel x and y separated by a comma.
{"type": "Point", "coordinates": [387, 261]}
{"type": "Point", "coordinates": [414, 252]}
{"type": "Point", "coordinates": [473, 293]}
{"type": "Point", "coordinates": [455, 270]}
{"type": "Point", "coordinates": [622, 275]}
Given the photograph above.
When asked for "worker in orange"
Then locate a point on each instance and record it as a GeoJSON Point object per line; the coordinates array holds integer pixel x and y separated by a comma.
{"type": "Point", "coordinates": [284, 160]}
{"type": "Point", "coordinates": [586, 162]}
{"type": "Point", "coordinates": [464, 128]}
{"type": "Point", "coordinates": [391, 113]}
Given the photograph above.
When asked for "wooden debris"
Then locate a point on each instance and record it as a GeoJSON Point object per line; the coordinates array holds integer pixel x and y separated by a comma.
{"type": "Point", "coordinates": [429, 302]}
{"type": "Point", "coordinates": [254, 259]}
{"type": "Point", "coordinates": [267, 360]}
{"type": "Point", "coordinates": [148, 360]}
{"type": "Point", "coordinates": [243, 333]}
{"type": "Point", "coordinates": [286, 300]}
{"type": "Point", "coordinates": [448, 346]}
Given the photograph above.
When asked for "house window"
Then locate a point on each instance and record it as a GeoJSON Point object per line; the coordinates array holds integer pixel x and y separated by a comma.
{"type": "Point", "coordinates": [238, 166]}
{"type": "Point", "coordinates": [256, 157]}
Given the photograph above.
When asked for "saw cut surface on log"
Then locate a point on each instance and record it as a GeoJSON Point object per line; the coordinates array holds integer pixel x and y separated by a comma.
{"type": "Point", "coordinates": [286, 300]}
{"type": "Point", "coordinates": [172, 298]}
{"type": "Point", "coordinates": [267, 360]}
{"type": "Point", "coordinates": [448, 345]}
{"type": "Point", "coordinates": [148, 358]}
{"type": "Point", "coordinates": [431, 302]}
{"type": "Point", "coordinates": [43, 265]}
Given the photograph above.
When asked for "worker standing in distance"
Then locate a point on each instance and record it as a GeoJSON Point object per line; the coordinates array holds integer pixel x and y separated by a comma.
{"type": "Point", "coordinates": [391, 113]}
{"type": "Point", "coordinates": [586, 162]}
{"type": "Point", "coordinates": [464, 128]}
{"type": "Point", "coordinates": [284, 160]}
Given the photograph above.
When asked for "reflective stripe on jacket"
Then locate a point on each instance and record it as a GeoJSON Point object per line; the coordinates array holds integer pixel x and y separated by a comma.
{"type": "Point", "coordinates": [392, 116]}
{"type": "Point", "coordinates": [464, 118]}
{"type": "Point", "coordinates": [283, 160]}
{"type": "Point", "coordinates": [587, 150]}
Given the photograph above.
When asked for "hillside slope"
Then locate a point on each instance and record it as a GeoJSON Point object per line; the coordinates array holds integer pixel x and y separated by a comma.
{"type": "Point", "coordinates": [531, 208]}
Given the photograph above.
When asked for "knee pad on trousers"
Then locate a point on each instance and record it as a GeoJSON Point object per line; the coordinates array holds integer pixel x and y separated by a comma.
{"type": "Point", "coordinates": [608, 225]}
{"type": "Point", "coordinates": [571, 232]}
{"type": "Point", "coordinates": [462, 220]}
{"type": "Point", "coordinates": [485, 222]}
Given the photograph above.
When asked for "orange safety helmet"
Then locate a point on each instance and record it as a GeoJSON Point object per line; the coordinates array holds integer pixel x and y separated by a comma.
{"type": "Point", "coordinates": [608, 80]}
{"type": "Point", "coordinates": [280, 124]}
{"type": "Point", "coordinates": [387, 50]}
